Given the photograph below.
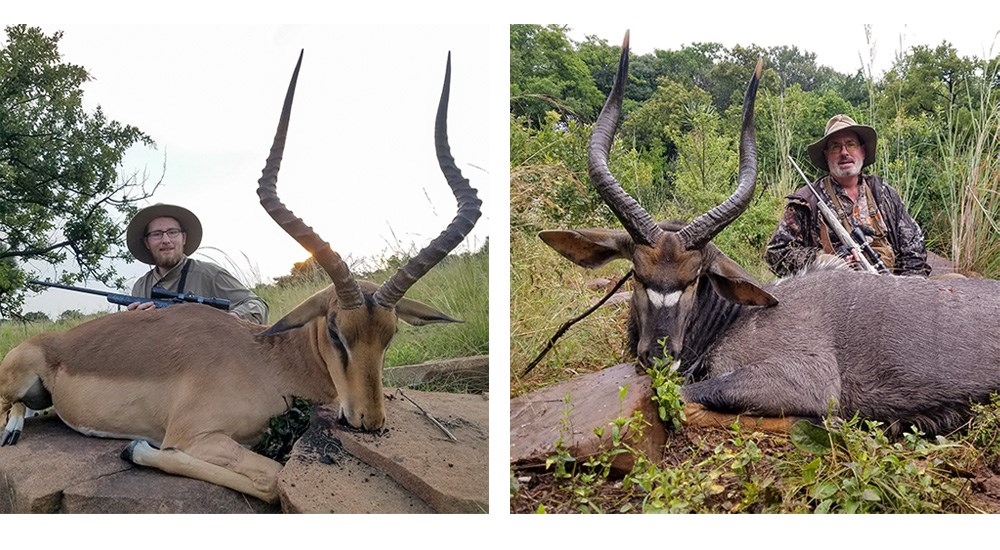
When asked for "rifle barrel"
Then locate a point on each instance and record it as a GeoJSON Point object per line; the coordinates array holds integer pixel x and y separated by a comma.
{"type": "Point", "coordinates": [74, 288]}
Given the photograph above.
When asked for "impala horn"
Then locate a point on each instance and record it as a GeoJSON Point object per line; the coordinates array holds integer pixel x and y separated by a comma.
{"type": "Point", "coordinates": [468, 212]}
{"type": "Point", "coordinates": [348, 292]}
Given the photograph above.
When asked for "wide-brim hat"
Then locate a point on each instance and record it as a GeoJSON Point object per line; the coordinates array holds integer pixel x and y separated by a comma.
{"type": "Point", "coordinates": [136, 233]}
{"type": "Point", "coordinates": [839, 123]}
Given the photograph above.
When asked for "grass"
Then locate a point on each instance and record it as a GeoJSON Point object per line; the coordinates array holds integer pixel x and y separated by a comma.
{"type": "Point", "coordinates": [840, 467]}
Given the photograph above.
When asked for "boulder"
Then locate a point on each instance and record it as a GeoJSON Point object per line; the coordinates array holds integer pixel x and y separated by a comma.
{"type": "Point", "coordinates": [540, 418]}
{"type": "Point", "coordinates": [54, 469]}
{"type": "Point", "coordinates": [470, 374]}
{"type": "Point", "coordinates": [411, 466]}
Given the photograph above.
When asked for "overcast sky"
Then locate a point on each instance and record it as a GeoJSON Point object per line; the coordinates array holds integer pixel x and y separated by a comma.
{"type": "Point", "coordinates": [843, 49]}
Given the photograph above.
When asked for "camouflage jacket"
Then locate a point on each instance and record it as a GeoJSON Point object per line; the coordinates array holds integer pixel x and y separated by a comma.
{"type": "Point", "coordinates": [796, 241]}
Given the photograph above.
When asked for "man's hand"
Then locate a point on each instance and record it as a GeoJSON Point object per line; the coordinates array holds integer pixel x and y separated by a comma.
{"type": "Point", "coordinates": [141, 306]}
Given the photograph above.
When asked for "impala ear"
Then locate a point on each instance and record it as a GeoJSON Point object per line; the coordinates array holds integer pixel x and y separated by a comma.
{"type": "Point", "coordinates": [418, 314]}
{"type": "Point", "coordinates": [314, 306]}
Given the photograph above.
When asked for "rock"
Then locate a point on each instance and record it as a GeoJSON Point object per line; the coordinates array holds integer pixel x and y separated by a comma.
{"type": "Point", "coordinates": [471, 374]}
{"type": "Point", "coordinates": [412, 458]}
{"type": "Point", "coordinates": [54, 469]}
{"type": "Point", "coordinates": [539, 419]}
{"type": "Point", "coordinates": [411, 467]}
{"type": "Point", "coordinates": [321, 478]}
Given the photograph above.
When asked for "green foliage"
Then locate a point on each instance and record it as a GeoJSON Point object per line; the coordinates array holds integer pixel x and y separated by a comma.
{"type": "Point", "coordinates": [284, 430]}
{"type": "Point", "coordinates": [666, 386]}
{"type": "Point", "coordinates": [547, 73]}
{"type": "Point", "coordinates": [549, 181]}
{"type": "Point", "coordinates": [580, 481]}
{"type": "Point", "coordinates": [854, 467]}
{"type": "Point", "coordinates": [62, 197]}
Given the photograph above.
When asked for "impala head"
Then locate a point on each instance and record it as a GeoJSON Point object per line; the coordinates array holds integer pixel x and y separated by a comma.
{"type": "Point", "coordinates": [671, 261]}
{"type": "Point", "coordinates": [354, 321]}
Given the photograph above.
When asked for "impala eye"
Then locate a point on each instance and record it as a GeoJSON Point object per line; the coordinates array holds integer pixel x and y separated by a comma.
{"type": "Point", "coordinates": [331, 330]}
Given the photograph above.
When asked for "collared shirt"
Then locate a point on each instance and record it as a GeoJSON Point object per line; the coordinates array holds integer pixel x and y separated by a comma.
{"type": "Point", "coordinates": [208, 280]}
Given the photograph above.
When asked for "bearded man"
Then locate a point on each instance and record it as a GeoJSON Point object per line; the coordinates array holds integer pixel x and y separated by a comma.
{"type": "Point", "coordinates": [164, 235]}
{"type": "Point", "coordinates": [858, 199]}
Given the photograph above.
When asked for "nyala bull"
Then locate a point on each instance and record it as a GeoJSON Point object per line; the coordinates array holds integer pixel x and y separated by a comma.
{"type": "Point", "coordinates": [900, 350]}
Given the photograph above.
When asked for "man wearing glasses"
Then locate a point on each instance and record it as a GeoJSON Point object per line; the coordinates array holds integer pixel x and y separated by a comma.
{"type": "Point", "coordinates": [164, 235]}
{"type": "Point", "coordinates": [859, 200]}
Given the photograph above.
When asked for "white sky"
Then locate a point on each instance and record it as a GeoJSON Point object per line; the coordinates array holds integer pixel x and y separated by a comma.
{"type": "Point", "coordinates": [843, 51]}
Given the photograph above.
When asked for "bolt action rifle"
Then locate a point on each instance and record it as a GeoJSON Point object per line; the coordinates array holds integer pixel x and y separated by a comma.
{"type": "Point", "coordinates": [161, 297]}
{"type": "Point", "coordinates": [855, 240]}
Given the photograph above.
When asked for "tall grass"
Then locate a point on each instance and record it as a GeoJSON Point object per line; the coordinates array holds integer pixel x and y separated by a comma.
{"type": "Point", "coordinates": [546, 290]}
{"type": "Point", "coordinates": [14, 332]}
{"type": "Point", "coordinates": [970, 156]}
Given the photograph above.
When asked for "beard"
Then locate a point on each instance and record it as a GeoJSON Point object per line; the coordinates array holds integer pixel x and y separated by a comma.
{"type": "Point", "coordinates": [168, 259]}
{"type": "Point", "coordinates": [846, 171]}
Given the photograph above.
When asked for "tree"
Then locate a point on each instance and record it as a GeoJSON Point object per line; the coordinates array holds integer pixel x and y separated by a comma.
{"type": "Point", "coordinates": [61, 196]}
{"type": "Point", "coordinates": [547, 74]}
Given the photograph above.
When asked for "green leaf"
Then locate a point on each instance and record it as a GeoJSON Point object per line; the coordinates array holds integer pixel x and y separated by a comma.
{"type": "Point", "coordinates": [824, 490]}
{"type": "Point", "coordinates": [810, 470]}
{"type": "Point", "coordinates": [810, 438]}
{"type": "Point", "coordinates": [870, 495]}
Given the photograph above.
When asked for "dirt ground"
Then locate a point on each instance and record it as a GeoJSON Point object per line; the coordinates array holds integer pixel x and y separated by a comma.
{"type": "Point", "coordinates": [538, 488]}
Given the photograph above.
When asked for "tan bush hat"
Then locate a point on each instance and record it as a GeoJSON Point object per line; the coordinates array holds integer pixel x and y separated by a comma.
{"type": "Point", "coordinates": [136, 233]}
{"type": "Point", "coordinates": [869, 138]}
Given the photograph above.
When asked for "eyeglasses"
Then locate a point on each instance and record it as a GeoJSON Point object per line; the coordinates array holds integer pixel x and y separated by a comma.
{"type": "Point", "coordinates": [157, 235]}
{"type": "Point", "coordinates": [851, 145]}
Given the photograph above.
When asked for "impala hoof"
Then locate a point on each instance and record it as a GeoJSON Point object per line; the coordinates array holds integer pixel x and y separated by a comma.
{"type": "Point", "coordinates": [136, 446]}
{"type": "Point", "coordinates": [10, 437]}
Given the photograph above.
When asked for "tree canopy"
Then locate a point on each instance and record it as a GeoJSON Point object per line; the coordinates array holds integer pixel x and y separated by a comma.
{"type": "Point", "coordinates": [62, 195]}
{"type": "Point", "coordinates": [936, 112]}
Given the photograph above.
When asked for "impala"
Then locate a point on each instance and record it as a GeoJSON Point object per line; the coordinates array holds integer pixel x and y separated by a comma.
{"type": "Point", "coordinates": [191, 385]}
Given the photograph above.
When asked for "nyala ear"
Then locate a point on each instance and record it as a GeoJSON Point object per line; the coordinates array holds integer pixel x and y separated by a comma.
{"type": "Point", "coordinates": [733, 283]}
{"type": "Point", "coordinates": [590, 248]}
{"type": "Point", "coordinates": [418, 314]}
{"type": "Point", "coordinates": [314, 306]}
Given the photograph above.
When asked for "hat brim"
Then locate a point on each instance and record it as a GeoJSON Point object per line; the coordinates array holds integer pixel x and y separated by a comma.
{"type": "Point", "coordinates": [817, 153]}
{"type": "Point", "coordinates": [135, 234]}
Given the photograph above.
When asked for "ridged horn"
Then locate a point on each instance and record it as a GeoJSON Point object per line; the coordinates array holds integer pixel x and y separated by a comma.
{"type": "Point", "coordinates": [703, 228]}
{"type": "Point", "coordinates": [348, 292]}
{"type": "Point", "coordinates": [468, 212]}
{"type": "Point", "coordinates": [639, 224]}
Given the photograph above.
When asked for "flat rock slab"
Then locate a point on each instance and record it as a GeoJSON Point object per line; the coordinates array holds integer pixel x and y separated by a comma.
{"type": "Point", "coordinates": [539, 419]}
{"type": "Point", "coordinates": [54, 469]}
{"type": "Point", "coordinates": [412, 466]}
{"type": "Point", "coordinates": [471, 374]}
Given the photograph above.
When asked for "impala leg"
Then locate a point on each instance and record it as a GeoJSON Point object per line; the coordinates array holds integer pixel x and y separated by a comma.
{"type": "Point", "coordinates": [15, 422]}
{"type": "Point", "coordinates": [216, 459]}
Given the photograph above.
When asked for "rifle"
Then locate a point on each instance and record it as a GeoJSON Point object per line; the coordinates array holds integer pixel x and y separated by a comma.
{"type": "Point", "coordinates": [850, 240]}
{"type": "Point", "coordinates": [161, 296]}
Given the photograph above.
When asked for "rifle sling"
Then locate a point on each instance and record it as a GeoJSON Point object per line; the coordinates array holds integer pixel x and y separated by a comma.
{"type": "Point", "coordinates": [184, 274]}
